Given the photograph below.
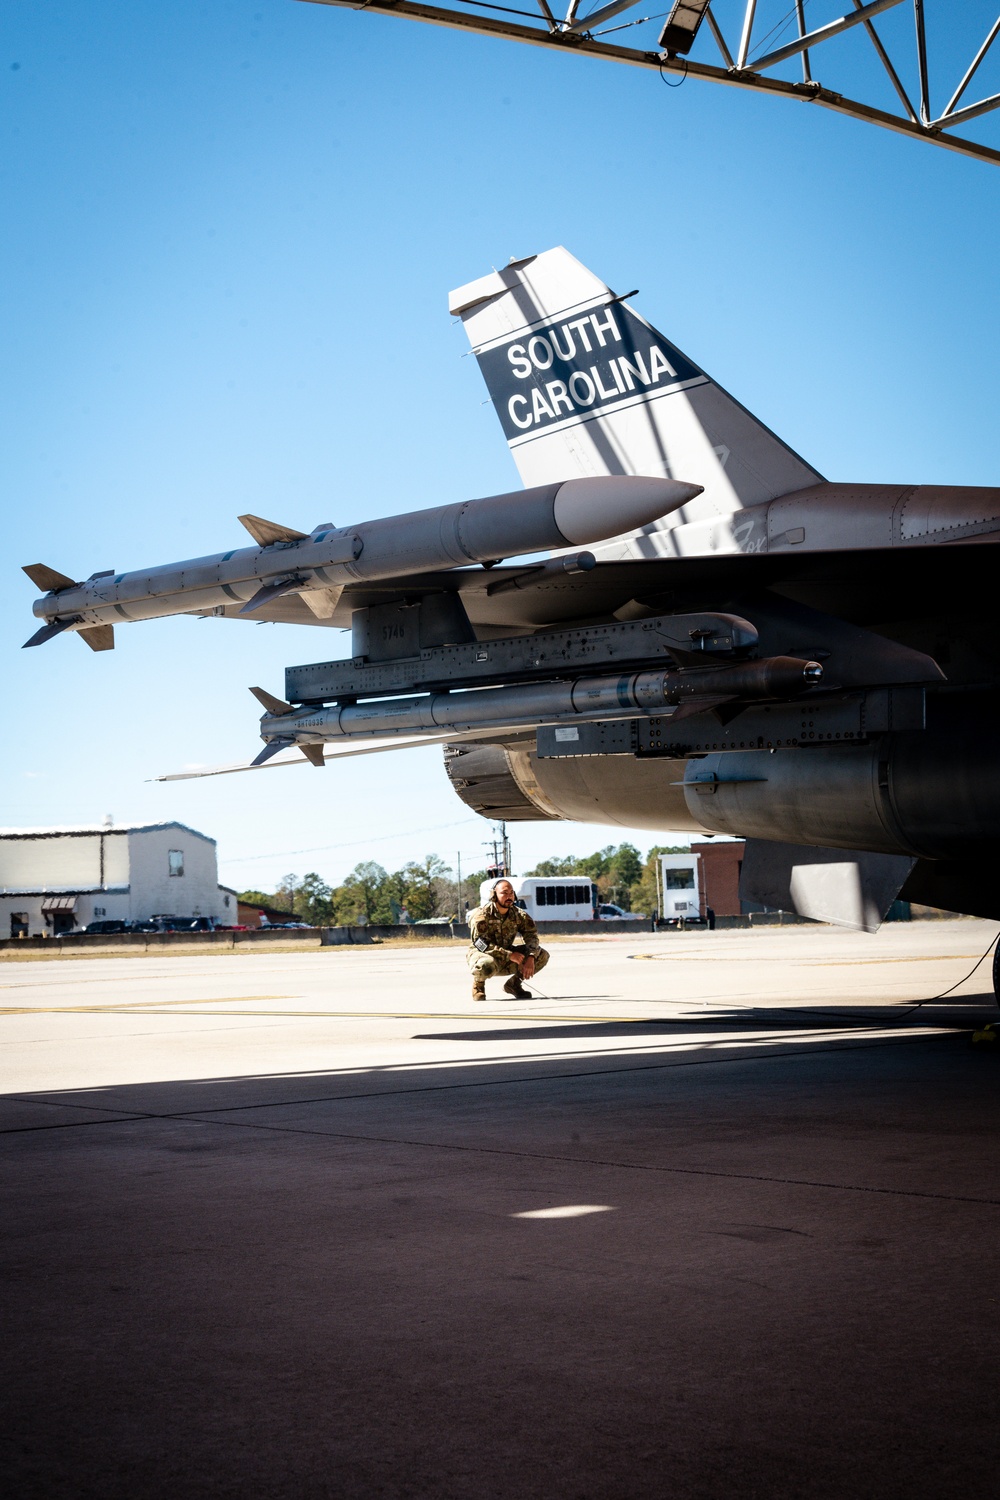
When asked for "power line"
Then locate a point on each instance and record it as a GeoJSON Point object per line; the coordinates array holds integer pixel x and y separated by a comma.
{"type": "Point", "coordinates": [238, 859]}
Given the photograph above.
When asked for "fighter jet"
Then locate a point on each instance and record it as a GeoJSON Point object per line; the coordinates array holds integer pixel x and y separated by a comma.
{"type": "Point", "coordinates": [745, 648]}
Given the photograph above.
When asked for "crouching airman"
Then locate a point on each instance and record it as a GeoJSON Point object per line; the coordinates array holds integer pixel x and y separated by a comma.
{"type": "Point", "coordinates": [504, 940]}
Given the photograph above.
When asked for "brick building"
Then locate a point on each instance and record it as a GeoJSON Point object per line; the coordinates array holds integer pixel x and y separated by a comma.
{"type": "Point", "coordinates": [720, 865]}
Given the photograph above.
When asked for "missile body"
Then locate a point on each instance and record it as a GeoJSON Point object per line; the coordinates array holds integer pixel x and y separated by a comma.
{"type": "Point", "coordinates": [620, 696]}
{"type": "Point", "coordinates": [318, 566]}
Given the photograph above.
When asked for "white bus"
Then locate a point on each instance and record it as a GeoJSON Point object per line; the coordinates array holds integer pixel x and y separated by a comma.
{"type": "Point", "coordinates": [568, 898]}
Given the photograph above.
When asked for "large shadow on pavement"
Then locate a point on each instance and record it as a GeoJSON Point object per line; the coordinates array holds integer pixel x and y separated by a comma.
{"type": "Point", "coordinates": [771, 1250]}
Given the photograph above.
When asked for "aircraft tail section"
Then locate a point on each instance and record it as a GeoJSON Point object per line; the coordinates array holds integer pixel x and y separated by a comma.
{"type": "Point", "coordinates": [584, 386]}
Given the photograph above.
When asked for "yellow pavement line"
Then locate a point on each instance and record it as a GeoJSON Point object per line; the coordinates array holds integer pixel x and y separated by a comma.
{"type": "Point", "coordinates": [125, 1006]}
{"type": "Point", "coordinates": [365, 1015]}
{"type": "Point", "coordinates": [384, 1015]}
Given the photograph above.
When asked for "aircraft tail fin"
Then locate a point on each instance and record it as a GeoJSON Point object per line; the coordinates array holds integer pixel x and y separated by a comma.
{"type": "Point", "coordinates": [583, 385]}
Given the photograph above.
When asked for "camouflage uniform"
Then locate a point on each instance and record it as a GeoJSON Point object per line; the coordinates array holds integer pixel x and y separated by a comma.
{"type": "Point", "coordinates": [500, 932]}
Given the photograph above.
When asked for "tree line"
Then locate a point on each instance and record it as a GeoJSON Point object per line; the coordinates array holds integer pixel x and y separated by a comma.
{"type": "Point", "coordinates": [427, 888]}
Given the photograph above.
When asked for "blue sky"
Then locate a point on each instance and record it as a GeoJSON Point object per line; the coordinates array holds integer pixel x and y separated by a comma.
{"type": "Point", "coordinates": [230, 233]}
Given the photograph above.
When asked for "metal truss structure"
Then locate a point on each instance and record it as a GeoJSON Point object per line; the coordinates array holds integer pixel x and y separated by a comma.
{"type": "Point", "coordinates": [753, 40]}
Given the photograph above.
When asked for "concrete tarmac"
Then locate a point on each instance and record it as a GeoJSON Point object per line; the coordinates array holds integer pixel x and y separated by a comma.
{"type": "Point", "coordinates": [715, 1215]}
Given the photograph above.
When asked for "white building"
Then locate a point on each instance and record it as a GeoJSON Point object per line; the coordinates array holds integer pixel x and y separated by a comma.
{"type": "Point", "coordinates": [55, 879]}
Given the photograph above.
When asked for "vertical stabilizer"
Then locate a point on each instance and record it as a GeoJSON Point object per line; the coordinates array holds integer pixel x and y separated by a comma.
{"type": "Point", "coordinates": [584, 386]}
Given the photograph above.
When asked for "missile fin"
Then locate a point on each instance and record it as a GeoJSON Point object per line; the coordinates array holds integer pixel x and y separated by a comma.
{"type": "Point", "coordinates": [313, 754]}
{"type": "Point", "coordinates": [276, 706]}
{"type": "Point", "coordinates": [272, 748]}
{"type": "Point", "coordinates": [266, 533]}
{"type": "Point", "coordinates": [54, 627]}
{"type": "Point", "coordinates": [269, 592]}
{"type": "Point", "coordinates": [48, 578]}
{"type": "Point", "coordinates": [99, 637]}
{"type": "Point", "coordinates": [722, 709]}
{"type": "Point", "coordinates": [322, 602]}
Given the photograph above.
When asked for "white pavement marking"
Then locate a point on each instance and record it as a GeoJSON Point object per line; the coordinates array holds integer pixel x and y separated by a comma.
{"type": "Point", "coordinates": [567, 1211]}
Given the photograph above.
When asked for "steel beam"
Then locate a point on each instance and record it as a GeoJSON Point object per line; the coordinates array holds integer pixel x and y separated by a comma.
{"type": "Point", "coordinates": [501, 26]}
{"type": "Point", "coordinates": [973, 66]}
{"type": "Point", "coordinates": [747, 32]}
{"type": "Point", "coordinates": [925, 97]}
{"type": "Point", "coordinates": [876, 42]}
{"type": "Point", "coordinates": [821, 34]}
{"type": "Point", "coordinates": [800, 16]}
{"type": "Point", "coordinates": [597, 17]}
{"type": "Point", "coordinates": [971, 112]}
{"type": "Point", "coordinates": [720, 41]}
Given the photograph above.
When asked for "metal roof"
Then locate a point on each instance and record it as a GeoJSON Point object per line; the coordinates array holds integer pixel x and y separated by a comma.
{"type": "Point", "coordinates": [84, 830]}
{"type": "Point", "coordinates": [12, 893]}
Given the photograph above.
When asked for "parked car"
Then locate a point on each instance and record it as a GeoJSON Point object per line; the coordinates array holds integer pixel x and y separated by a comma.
{"type": "Point", "coordinates": [105, 925]}
{"type": "Point", "coordinates": [185, 924]}
{"type": "Point", "coordinates": [607, 912]}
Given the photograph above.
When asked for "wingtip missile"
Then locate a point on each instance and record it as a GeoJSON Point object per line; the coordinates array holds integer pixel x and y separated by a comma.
{"type": "Point", "coordinates": [318, 567]}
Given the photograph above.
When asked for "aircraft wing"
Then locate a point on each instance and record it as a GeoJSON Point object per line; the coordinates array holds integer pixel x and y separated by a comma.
{"type": "Point", "coordinates": [863, 584]}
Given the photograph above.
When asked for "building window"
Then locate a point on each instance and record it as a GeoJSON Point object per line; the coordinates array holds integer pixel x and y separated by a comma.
{"type": "Point", "coordinates": [100, 911]}
{"type": "Point", "coordinates": [19, 924]}
{"type": "Point", "coordinates": [225, 900]}
{"type": "Point", "coordinates": [175, 861]}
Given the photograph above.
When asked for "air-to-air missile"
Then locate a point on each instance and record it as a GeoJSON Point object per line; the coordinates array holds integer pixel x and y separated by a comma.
{"type": "Point", "coordinates": [320, 565]}
{"type": "Point", "coordinates": [529, 705]}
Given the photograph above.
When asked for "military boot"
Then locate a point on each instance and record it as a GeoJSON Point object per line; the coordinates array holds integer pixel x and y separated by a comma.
{"type": "Point", "coordinates": [516, 989]}
{"type": "Point", "coordinates": [479, 989]}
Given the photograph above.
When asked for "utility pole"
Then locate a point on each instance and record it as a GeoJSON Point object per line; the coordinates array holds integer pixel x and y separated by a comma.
{"type": "Point", "coordinates": [461, 903]}
{"type": "Point", "coordinates": [500, 844]}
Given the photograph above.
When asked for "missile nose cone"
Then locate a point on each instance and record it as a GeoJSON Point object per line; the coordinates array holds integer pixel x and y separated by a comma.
{"type": "Point", "coordinates": [593, 510]}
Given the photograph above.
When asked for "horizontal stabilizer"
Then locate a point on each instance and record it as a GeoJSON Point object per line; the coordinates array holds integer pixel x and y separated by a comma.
{"type": "Point", "coordinates": [54, 627]}
{"type": "Point", "coordinates": [313, 754]}
{"type": "Point", "coordinates": [270, 702]}
{"type": "Point", "coordinates": [847, 887]}
{"type": "Point", "coordinates": [269, 593]}
{"type": "Point", "coordinates": [266, 533]}
{"type": "Point", "coordinates": [48, 579]}
{"type": "Point", "coordinates": [99, 637]}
